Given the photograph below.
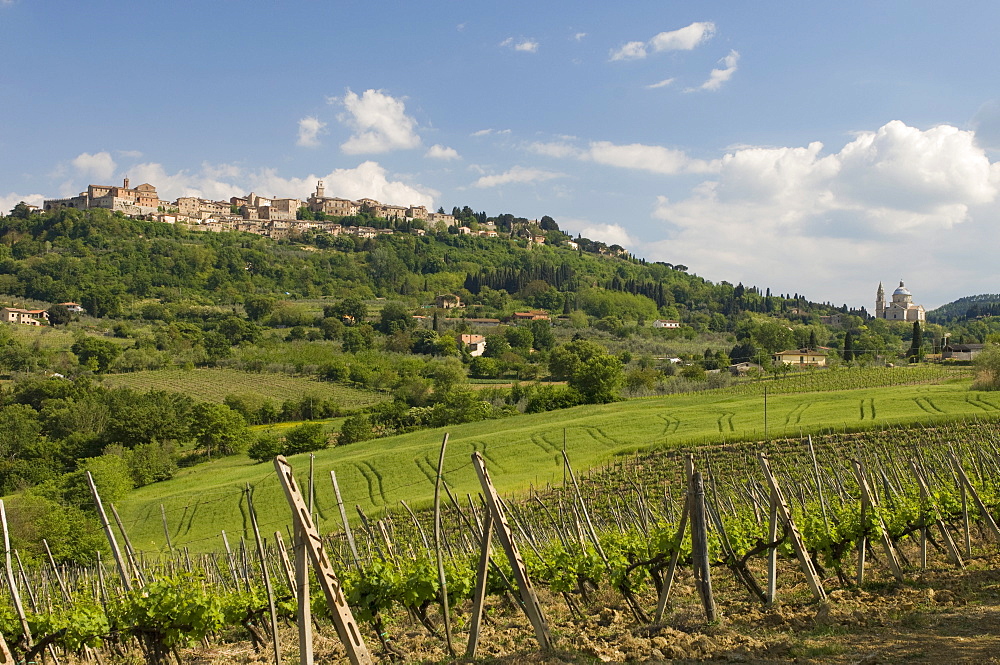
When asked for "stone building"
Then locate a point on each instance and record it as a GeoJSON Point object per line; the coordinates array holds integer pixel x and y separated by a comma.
{"type": "Point", "coordinates": [901, 308]}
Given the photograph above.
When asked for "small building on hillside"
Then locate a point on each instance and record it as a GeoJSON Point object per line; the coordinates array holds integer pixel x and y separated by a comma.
{"type": "Point", "coordinates": [533, 315]}
{"type": "Point", "coordinates": [475, 343]}
{"type": "Point", "coordinates": [28, 317]}
{"type": "Point", "coordinates": [448, 301]}
{"type": "Point", "coordinates": [666, 323]}
{"type": "Point", "coordinates": [802, 357]}
{"type": "Point", "coordinates": [961, 351]}
{"type": "Point", "coordinates": [76, 308]}
{"type": "Point", "coordinates": [744, 368]}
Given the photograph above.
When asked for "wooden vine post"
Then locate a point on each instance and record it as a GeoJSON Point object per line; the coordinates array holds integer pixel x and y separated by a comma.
{"type": "Point", "coordinates": [12, 581]}
{"type": "Point", "coordinates": [699, 545]}
{"type": "Point", "coordinates": [868, 500]}
{"type": "Point", "coordinates": [529, 600]}
{"type": "Point", "coordinates": [126, 581]}
{"type": "Point", "coordinates": [343, 618]}
{"type": "Point", "coordinates": [443, 592]}
{"type": "Point", "coordinates": [785, 515]}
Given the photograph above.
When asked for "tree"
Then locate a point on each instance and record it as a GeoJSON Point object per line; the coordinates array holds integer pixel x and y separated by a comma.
{"type": "Point", "coordinates": [95, 353]}
{"type": "Point", "coordinates": [916, 351]}
{"type": "Point", "coordinates": [987, 367]}
{"type": "Point", "coordinates": [356, 428]}
{"type": "Point", "coordinates": [395, 317]}
{"type": "Point", "coordinates": [257, 307]}
{"type": "Point", "coordinates": [848, 347]}
{"type": "Point", "coordinates": [305, 438]}
{"type": "Point", "coordinates": [599, 379]}
{"type": "Point", "coordinates": [352, 309]}
{"type": "Point", "coordinates": [216, 427]}
{"type": "Point", "coordinates": [543, 337]}
{"type": "Point", "coordinates": [59, 315]}
{"type": "Point", "coordinates": [564, 359]}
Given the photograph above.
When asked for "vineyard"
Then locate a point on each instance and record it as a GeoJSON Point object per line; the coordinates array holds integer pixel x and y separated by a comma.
{"type": "Point", "coordinates": [213, 385]}
{"type": "Point", "coordinates": [724, 552]}
{"type": "Point", "coordinates": [525, 450]}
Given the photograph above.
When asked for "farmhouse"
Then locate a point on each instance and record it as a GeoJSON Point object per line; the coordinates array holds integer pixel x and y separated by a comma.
{"type": "Point", "coordinates": [28, 317]}
{"type": "Point", "coordinates": [475, 343]}
{"type": "Point", "coordinates": [803, 357]}
{"type": "Point", "coordinates": [448, 301]}
{"type": "Point", "coordinates": [666, 323]}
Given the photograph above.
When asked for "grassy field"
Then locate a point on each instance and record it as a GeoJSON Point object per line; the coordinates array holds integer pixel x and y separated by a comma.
{"type": "Point", "coordinates": [521, 451]}
{"type": "Point", "coordinates": [212, 385]}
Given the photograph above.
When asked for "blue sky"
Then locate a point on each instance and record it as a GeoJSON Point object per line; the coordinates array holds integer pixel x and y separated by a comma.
{"type": "Point", "coordinates": [805, 148]}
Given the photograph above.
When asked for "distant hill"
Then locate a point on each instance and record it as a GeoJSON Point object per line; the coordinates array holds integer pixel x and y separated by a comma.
{"type": "Point", "coordinates": [969, 307]}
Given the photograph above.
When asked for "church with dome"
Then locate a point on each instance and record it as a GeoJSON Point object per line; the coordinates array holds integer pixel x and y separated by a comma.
{"type": "Point", "coordinates": [901, 308]}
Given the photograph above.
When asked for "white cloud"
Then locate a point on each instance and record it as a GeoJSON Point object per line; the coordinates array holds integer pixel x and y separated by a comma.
{"type": "Point", "coordinates": [379, 122]}
{"type": "Point", "coordinates": [99, 166]}
{"type": "Point", "coordinates": [518, 174]}
{"type": "Point", "coordinates": [719, 76]}
{"type": "Point", "coordinates": [885, 204]}
{"type": "Point", "coordinates": [220, 182]}
{"type": "Point", "coordinates": [488, 132]}
{"type": "Point", "coordinates": [579, 36]}
{"type": "Point", "coordinates": [662, 84]}
{"type": "Point", "coordinates": [8, 202]}
{"type": "Point", "coordinates": [630, 51]}
{"type": "Point", "coordinates": [442, 152]}
{"type": "Point", "coordinates": [310, 128]}
{"type": "Point", "coordinates": [554, 149]}
{"type": "Point", "coordinates": [684, 39]}
{"type": "Point", "coordinates": [610, 234]}
{"type": "Point", "coordinates": [653, 158]}
{"type": "Point", "coordinates": [523, 45]}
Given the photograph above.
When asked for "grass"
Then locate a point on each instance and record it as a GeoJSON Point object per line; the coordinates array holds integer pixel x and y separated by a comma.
{"type": "Point", "coordinates": [212, 385]}
{"type": "Point", "coordinates": [519, 451]}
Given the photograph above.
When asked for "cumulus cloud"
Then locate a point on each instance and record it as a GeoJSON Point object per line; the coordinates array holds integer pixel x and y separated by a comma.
{"type": "Point", "coordinates": [8, 202]}
{"type": "Point", "coordinates": [610, 234]}
{"type": "Point", "coordinates": [719, 76]}
{"type": "Point", "coordinates": [439, 151]}
{"type": "Point", "coordinates": [662, 84]}
{"type": "Point", "coordinates": [684, 39]}
{"type": "Point", "coordinates": [220, 182]}
{"type": "Point", "coordinates": [794, 216]}
{"type": "Point", "coordinates": [518, 174]}
{"type": "Point", "coordinates": [379, 122]}
{"type": "Point", "coordinates": [638, 156]}
{"type": "Point", "coordinates": [554, 149]}
{"type": "Point", "coordinates": [523, 45]}
{"type": "Point", "coordinates": [579, 36]}
{"type": "Point", "coordinates": [99, 166]}
{"type": "Point", "coordinates": [310, 128]}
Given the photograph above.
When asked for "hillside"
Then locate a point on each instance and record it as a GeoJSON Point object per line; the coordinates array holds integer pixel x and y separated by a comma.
{"type": "Point", "coordinates": [968, 307]}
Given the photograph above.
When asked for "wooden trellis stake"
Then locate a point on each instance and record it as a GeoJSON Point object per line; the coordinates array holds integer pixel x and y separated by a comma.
{"type": "Point", "coordinates": [785, 515]}
{"type": "Point", "coordinates": [990, 522]}
{"type": "Point", "coordinates": [479, 597]}
{"type": "Point", "coordinates": [343, 618]}
{"type": "Point", "coordinates": [925, 494]}
{"type": "Point", "coordinates": [5, 656]}
{"type": "Point", "coordinates": [529, 601]}
{"type": "Point", "coordinates": [126, 581]}
{"type": "Point", "coordinates": [12, 581]}
{"type": "Point", "coordinates": [699, 546]}
{"type": "Point", "coordinates": [869, 499]}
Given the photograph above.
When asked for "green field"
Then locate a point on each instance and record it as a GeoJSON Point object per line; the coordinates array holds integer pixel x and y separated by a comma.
{"type": "Point", "coordinates": [212, 385]}
{"type": "Point", "coordinates": [522, 451]}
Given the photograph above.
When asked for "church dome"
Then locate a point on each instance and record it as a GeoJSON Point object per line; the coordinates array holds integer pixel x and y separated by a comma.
{"type": "Point", "coordinates": [901, 291]}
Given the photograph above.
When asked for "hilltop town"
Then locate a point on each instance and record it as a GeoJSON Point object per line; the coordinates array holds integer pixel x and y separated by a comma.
{"type": "Point", "coordinates": [279, 218]}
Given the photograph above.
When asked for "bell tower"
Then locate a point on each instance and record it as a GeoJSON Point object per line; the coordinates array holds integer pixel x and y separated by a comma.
{"type": "Point", "coordinates": [880, 302]}
{"type": "Point", "coordinates": [320, 189]}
